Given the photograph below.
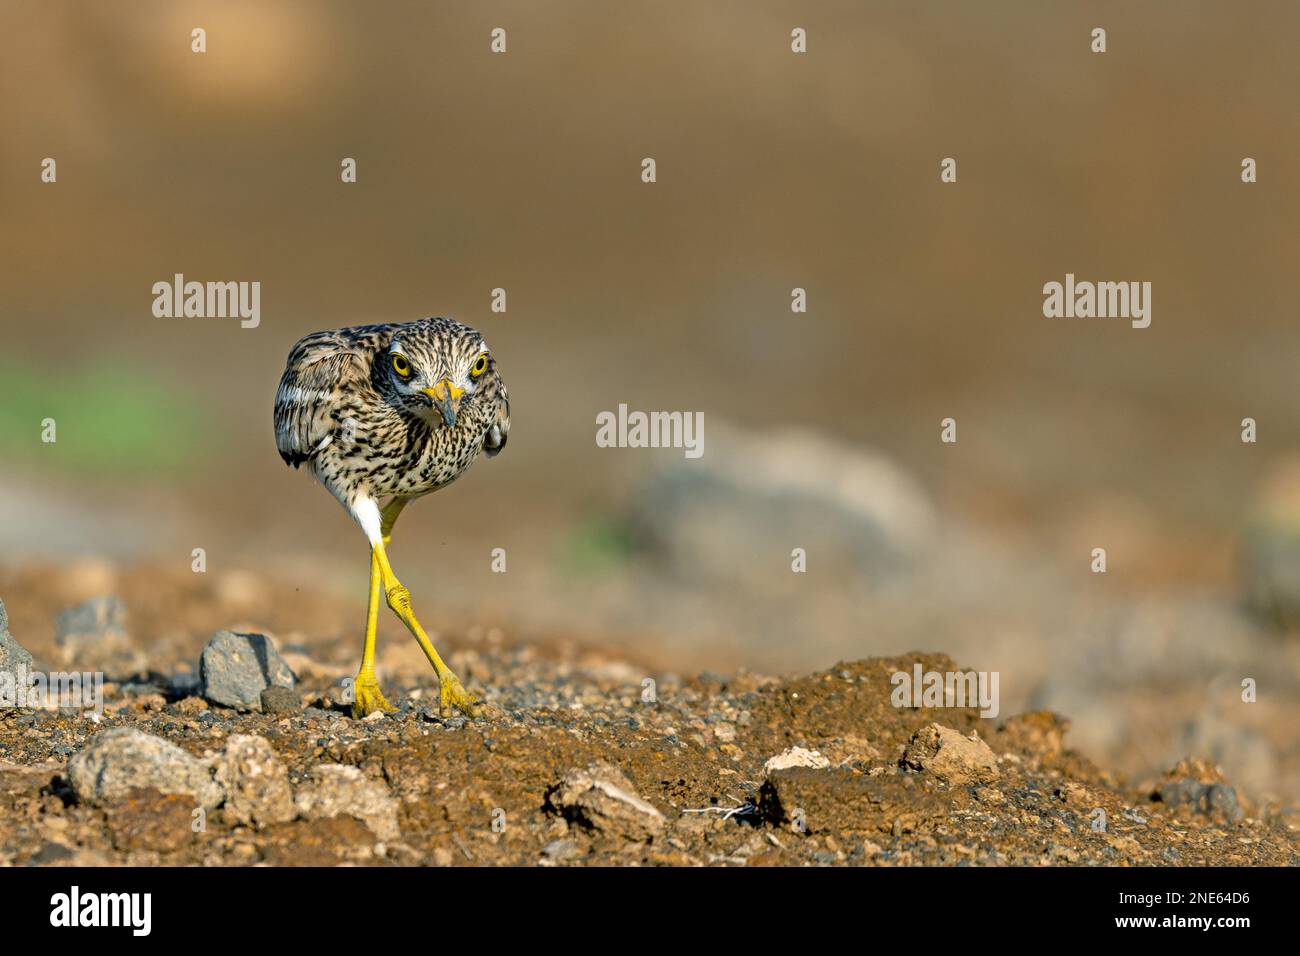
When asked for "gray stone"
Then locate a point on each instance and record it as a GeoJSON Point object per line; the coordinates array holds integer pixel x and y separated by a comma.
{"type": "Point", "coordinates": [602, 798]}
{"type": "Point", "coordinates": [12, 654]}
{"type": "Point", "coordinates": [1210, 799]}
{"type": "Point", "coordinates": [255, 781]}
{"type": "Point", "coordinates": [340, 790]}
{"type": "Point", "coordinates": [94, 635]}
{"type": "Point", "coordinates": [236, 668]}
{"type": "Point", "coordinates": [118, 761]}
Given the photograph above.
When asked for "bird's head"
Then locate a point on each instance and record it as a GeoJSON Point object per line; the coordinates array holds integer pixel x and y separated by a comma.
{"type": "Point", "coordinates": [434, 374]}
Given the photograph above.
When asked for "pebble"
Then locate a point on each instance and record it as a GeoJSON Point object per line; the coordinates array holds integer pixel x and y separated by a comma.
{"type": "Point", "coordinates": [602, 798]}
{"type": "Point", "coordinates": [236, 668]}
{"type": "Point", "coordinates": [795, 757]}
{"type": "Point", "coordinates": [561, 849]}
{"type": "Point", "coordinates": [280, 700]}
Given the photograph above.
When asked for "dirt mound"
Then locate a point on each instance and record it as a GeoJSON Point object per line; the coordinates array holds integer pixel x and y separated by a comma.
{"type": "Point", "coordinates": [584, 758]}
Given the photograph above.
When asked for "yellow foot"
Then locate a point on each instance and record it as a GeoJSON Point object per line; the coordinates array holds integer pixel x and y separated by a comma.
{"type": "Point", "coordinates": [366, 698]}
{"type": "Point", "coordinates": [451, 693]}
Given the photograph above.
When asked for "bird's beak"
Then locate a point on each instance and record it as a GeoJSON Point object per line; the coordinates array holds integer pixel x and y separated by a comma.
{"type": "Point", "coordinates": [446, 398]}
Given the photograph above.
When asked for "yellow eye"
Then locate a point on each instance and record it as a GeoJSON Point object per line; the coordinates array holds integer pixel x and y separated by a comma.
{"type": "Point", "coordinates": [401, 366]}
{"type": "Point", "coordinates": [480, 366]}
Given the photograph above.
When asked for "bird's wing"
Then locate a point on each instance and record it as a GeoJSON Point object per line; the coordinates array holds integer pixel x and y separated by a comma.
{"type": "Point", "coordinates": [320, 369]}
{"type": "Point", "coordinates": [496, 436]}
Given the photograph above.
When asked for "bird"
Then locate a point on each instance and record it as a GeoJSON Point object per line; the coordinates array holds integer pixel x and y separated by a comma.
{"type": "Point", "coordinates": [381, 415]}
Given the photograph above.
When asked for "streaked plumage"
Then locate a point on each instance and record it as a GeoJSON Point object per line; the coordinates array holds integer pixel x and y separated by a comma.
{"type": "Point", "coordinates": [341, 408]}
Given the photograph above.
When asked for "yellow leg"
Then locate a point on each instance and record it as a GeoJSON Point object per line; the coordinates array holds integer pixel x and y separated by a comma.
{"type": "Point", "coordinates": [366, 697]}
{"type": "Point", "coordinates": [451, 693]}
{"type": "Point", "coordinates": [388, 517]}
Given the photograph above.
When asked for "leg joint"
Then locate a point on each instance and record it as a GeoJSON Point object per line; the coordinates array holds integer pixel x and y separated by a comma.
{"type": "Point", "coordinates": [399, 598]}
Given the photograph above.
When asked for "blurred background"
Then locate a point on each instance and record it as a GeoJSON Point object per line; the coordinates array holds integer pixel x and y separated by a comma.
{"type": "Point", "coordinates": [775, 171]}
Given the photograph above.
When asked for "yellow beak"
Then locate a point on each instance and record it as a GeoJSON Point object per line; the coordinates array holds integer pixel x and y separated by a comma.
{"type": "Point", "coordinates": [446, 398]}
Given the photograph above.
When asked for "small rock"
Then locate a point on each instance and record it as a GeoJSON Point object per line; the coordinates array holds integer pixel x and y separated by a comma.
{"type": "Point", "coordinates": [340, 790]}
{"type": "Point", "coordinates": [602, 798]}
{"type": "Point", "coordinates": [236, 668]}
{"type": "Point", "coordinates": [51, 854]}
{"type": "Point", "coordinates": [255, 781]}
{"type": "Point", "coordinates": [280, 700]}
{"type": "Point", "coordinates": [560, 849]}
{"type": "Point", "coordinates": [949, 756]}
{"type": "Point", "coordinates": [124, 759]}
{"type": "Point", "coordinates": [1207, 798]}
{"type": "Point", "coordinates": [795, 757]}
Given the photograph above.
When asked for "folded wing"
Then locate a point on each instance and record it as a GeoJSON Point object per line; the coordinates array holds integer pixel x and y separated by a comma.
{"type": "Point", "coordinates": [320, 370]}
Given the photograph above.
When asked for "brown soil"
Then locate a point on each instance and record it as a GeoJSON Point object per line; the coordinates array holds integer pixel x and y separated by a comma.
{"type": "Point", "coordinates": [475, 792]}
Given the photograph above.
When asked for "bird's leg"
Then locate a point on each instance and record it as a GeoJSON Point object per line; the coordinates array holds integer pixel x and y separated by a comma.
{"type": "Point", "coordinates": [366, 697]}
{"type": "Point", "coordinates": [451, 693]}
{"type": "Point", "coordinates": [388, 517]}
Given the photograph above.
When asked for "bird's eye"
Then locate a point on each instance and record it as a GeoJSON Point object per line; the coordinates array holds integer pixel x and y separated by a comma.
{"type": "Point", "coordinates": [480, 366]}
{"type": "Point", "coordinates": [401, 366]}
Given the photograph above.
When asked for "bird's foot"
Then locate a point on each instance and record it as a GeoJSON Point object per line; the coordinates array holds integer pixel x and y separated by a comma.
{"type": "Point", "coordinates": [367, 699]}
{"type": "Point", "coordinates": [452, 693]}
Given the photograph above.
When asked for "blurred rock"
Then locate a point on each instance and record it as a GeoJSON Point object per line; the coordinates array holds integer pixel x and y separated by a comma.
{"type": "Point", "coordinates": [255, 781]}
{"type": "Point", "coordinates": [600, 797]}
{"type": "Point", "coordinates": [951, 757]}
{"type": "Point", "coordinates": [853, 511]}
{"type": "Point", "coordinates": [94, 636]}
{"type": "Point", "coordinates": [1245, 754]}
{"type": "Point", "coordinates": [12, 654]}
{"type": "Point", "coordinates": [1213, 799]}
{"type": "Point", "coordinates": [236, 668]}
{"type": "Point", "coordinates": [118, 761]}
{"type": "Point", "coordinates": [338, 790]}
{"type": "Point", "coordinates": [1271, 548]}
{"type": "Point", "coordinates": [561, 849]}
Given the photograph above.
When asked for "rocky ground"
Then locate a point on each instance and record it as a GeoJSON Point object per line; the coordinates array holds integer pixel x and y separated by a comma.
{"type": "Point", "coordinates": [582, 757]}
